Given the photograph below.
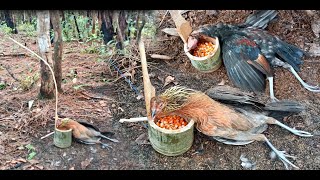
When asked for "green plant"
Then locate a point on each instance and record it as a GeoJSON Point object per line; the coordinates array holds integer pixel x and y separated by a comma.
{"type": "Point", "coordinates": [5, 29]}
{"type": "Point", "coordinates": [28, 28]}
{"type": "Point", "coordinates": [2, 85]}
{"type": "Point", "coordinates": [149, 30]}
{"type": "Point", "coordinates": [32, 151]}
{"type": "Point", "coordinates": [29, 81]}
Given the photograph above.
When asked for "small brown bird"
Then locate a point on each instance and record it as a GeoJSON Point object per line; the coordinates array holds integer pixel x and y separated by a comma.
{"type": "Point", "coordinates": [84, 132]}
{"type": "Point", "coordinates": [229, 125]}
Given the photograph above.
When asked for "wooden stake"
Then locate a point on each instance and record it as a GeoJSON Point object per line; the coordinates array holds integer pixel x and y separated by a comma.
{"type": "Point", "coordinates": [149, 90]}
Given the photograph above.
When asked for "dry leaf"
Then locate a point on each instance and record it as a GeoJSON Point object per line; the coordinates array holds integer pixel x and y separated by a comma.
{"type": "Point", "coordinates": [102, 103]}
{"type": "Point", "coordinates": [140, 96]}
{"type": "Point", "coordinates": [26, 166]}
{"type": "Point", "coordinates": [120, 109]}
{"type": "Point", "coordinates": [183, 11]}
{"type": "Point", "coordinates": [39, 167]}
{"type": "Point", "coordinates": [14, 162]}
{"type": "Point", "coordinates": [168, 80]}
{"type": "Point", "coordinates": [30, 103]}
{"type": "Point", "coordinates": [246, 163]}
{"type": "Point", "coordinates": [142, 139]}
{"type": "Point", "coordinates": [170, 31]}
{"type": "Point", "coordinates": [1, 149]}
{"type": "Point", "coordinates": [86, 163]}
{"type": "Point", "coordinates": [316, 28]}
{"type": "Point", "coordinates": [22, 160]}
{"type": "Point", "coordinates": [211, 12]}
{"type": "Point", "coordinates": [72, 168]}
{"type": "Point", "coordinates": [314, 49]}
{"type": "Point", "coordinates": [33, 161]}
{"type": "Point", "coordinates": [222, 83]}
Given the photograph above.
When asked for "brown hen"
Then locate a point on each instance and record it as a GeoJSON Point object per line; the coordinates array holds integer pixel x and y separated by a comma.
{"type": "Point", "coordinates": [229, 125]}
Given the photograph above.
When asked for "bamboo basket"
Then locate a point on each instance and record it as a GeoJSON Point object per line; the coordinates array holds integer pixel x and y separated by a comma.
{"type": "Point", "coordinates": [208, 63]}
{"type": "Point", "coordinates": [171, 142]}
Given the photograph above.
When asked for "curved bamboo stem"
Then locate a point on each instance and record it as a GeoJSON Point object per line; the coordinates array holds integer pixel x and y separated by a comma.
{"type": "Point", "coordinates": [54, 79]}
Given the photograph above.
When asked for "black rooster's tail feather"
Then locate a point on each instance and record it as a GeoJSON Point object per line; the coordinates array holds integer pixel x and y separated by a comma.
{"type": "Point", "coordinates": [290, 54]}
{"type": "Point", "coordinates": [232, 95]}
{"type": "Point", "coordinates": [283, 108]}
{"type": "Point", "coordinates": [260, 19]}
{"type": "Point", "coordinates": [285, 105]}
{"type": "Point", "coordinates": [88, 125]}
{"type": "Point", "coordinates": [244, 100]}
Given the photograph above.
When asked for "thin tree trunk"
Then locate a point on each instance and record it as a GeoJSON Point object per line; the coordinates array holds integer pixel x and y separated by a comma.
{"type": "Point", "coordinates": [99, 22]}
{"type": "Point", "coordinates": [58, 47]}
{"type": "Point", "coordinates": [43, 26]}
{"type": "Point", "coordinates": [121, 28]}
{"type": "Point", "coordinates": [93, 17]}
{"type": "Point", "coordinates": [64, 25]}
{"type": "Point", "coordinates": [75, 22]}
{"type": "Point", "coordinates": [137, 24]}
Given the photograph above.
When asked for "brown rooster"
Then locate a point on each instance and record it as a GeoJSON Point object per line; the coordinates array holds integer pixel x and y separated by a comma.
{"type": "Point", "coordinates": [84, 132]}
{"type": "Point", "coordinates": [229, 125]}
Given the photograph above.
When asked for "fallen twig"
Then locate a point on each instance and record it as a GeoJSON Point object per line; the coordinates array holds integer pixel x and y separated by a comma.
{"type": "Point", "coordinates": [14, 55]}
{"type": "Point", "coordinates": [158, 56]}
{"type": "Point", "coordinates": [96, 97]}
{"type": "Point", "coordinates": [7, 68]}
{"type": "Point", "coordinates": [163, 18]}
{"type": "Point", "coordinates": [137, 119]}
{"type": "Point", "coordinates": [47, 135]}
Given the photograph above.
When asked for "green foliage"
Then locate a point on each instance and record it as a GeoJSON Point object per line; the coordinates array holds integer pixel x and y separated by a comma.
{"type": "Point", "coordinates": [31, 150]}
{"type": "Point", "coordinates": [5, 29]}
{"type": "Point", "coordinates": [28, 28]}
{"type": "Point", "coordinates": [85, 27]}
{"type": "Point", "coordinates": [149, 30]}
{"type": "Point", "coordinates": [28, 82]}
{"type": "Point", "coordinates": [2, 85]}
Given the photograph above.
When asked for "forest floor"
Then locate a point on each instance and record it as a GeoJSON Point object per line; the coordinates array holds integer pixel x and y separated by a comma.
{"type": "Point", "coordinates": [96, 93]}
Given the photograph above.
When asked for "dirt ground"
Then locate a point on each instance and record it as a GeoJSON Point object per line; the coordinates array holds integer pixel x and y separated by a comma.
{"type": "Point", "coordinates": [105, 98]}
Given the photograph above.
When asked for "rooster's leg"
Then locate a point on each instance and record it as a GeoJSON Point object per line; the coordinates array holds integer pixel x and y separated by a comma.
{"type": "Point", "coordinates": [304, 84]}
{"type": "Point", "coordinates": [281, 154]}
{"type": "Point", "coordinates": [104, 145]}
{"type": "Point", "coordinates": [105, 137]}
{"type": "Point", "coordinates": [273, 98]}
{"type": "Point", "coordinates": [294, 131]}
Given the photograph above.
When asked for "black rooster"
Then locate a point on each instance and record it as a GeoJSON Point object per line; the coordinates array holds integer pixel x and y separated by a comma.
{"type": "Point", "coordinates": [249, 52]}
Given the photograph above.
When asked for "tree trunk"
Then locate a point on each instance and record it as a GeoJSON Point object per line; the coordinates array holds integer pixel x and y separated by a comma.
{"type": "Point", "coordinates": [58, 47]}
{"type": "Point", "coordinates": [9, 21]}
{"type": "Point", "coordinates": [106, 26]}
{"type": "Point", "coordinates": [121, 28]}
{"type": "Point", "coordinates": [93, 17]}
{"type": "Point", "coordinates": [43, 26]}
{"type": "Point", "coordinates": [77, 27]}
